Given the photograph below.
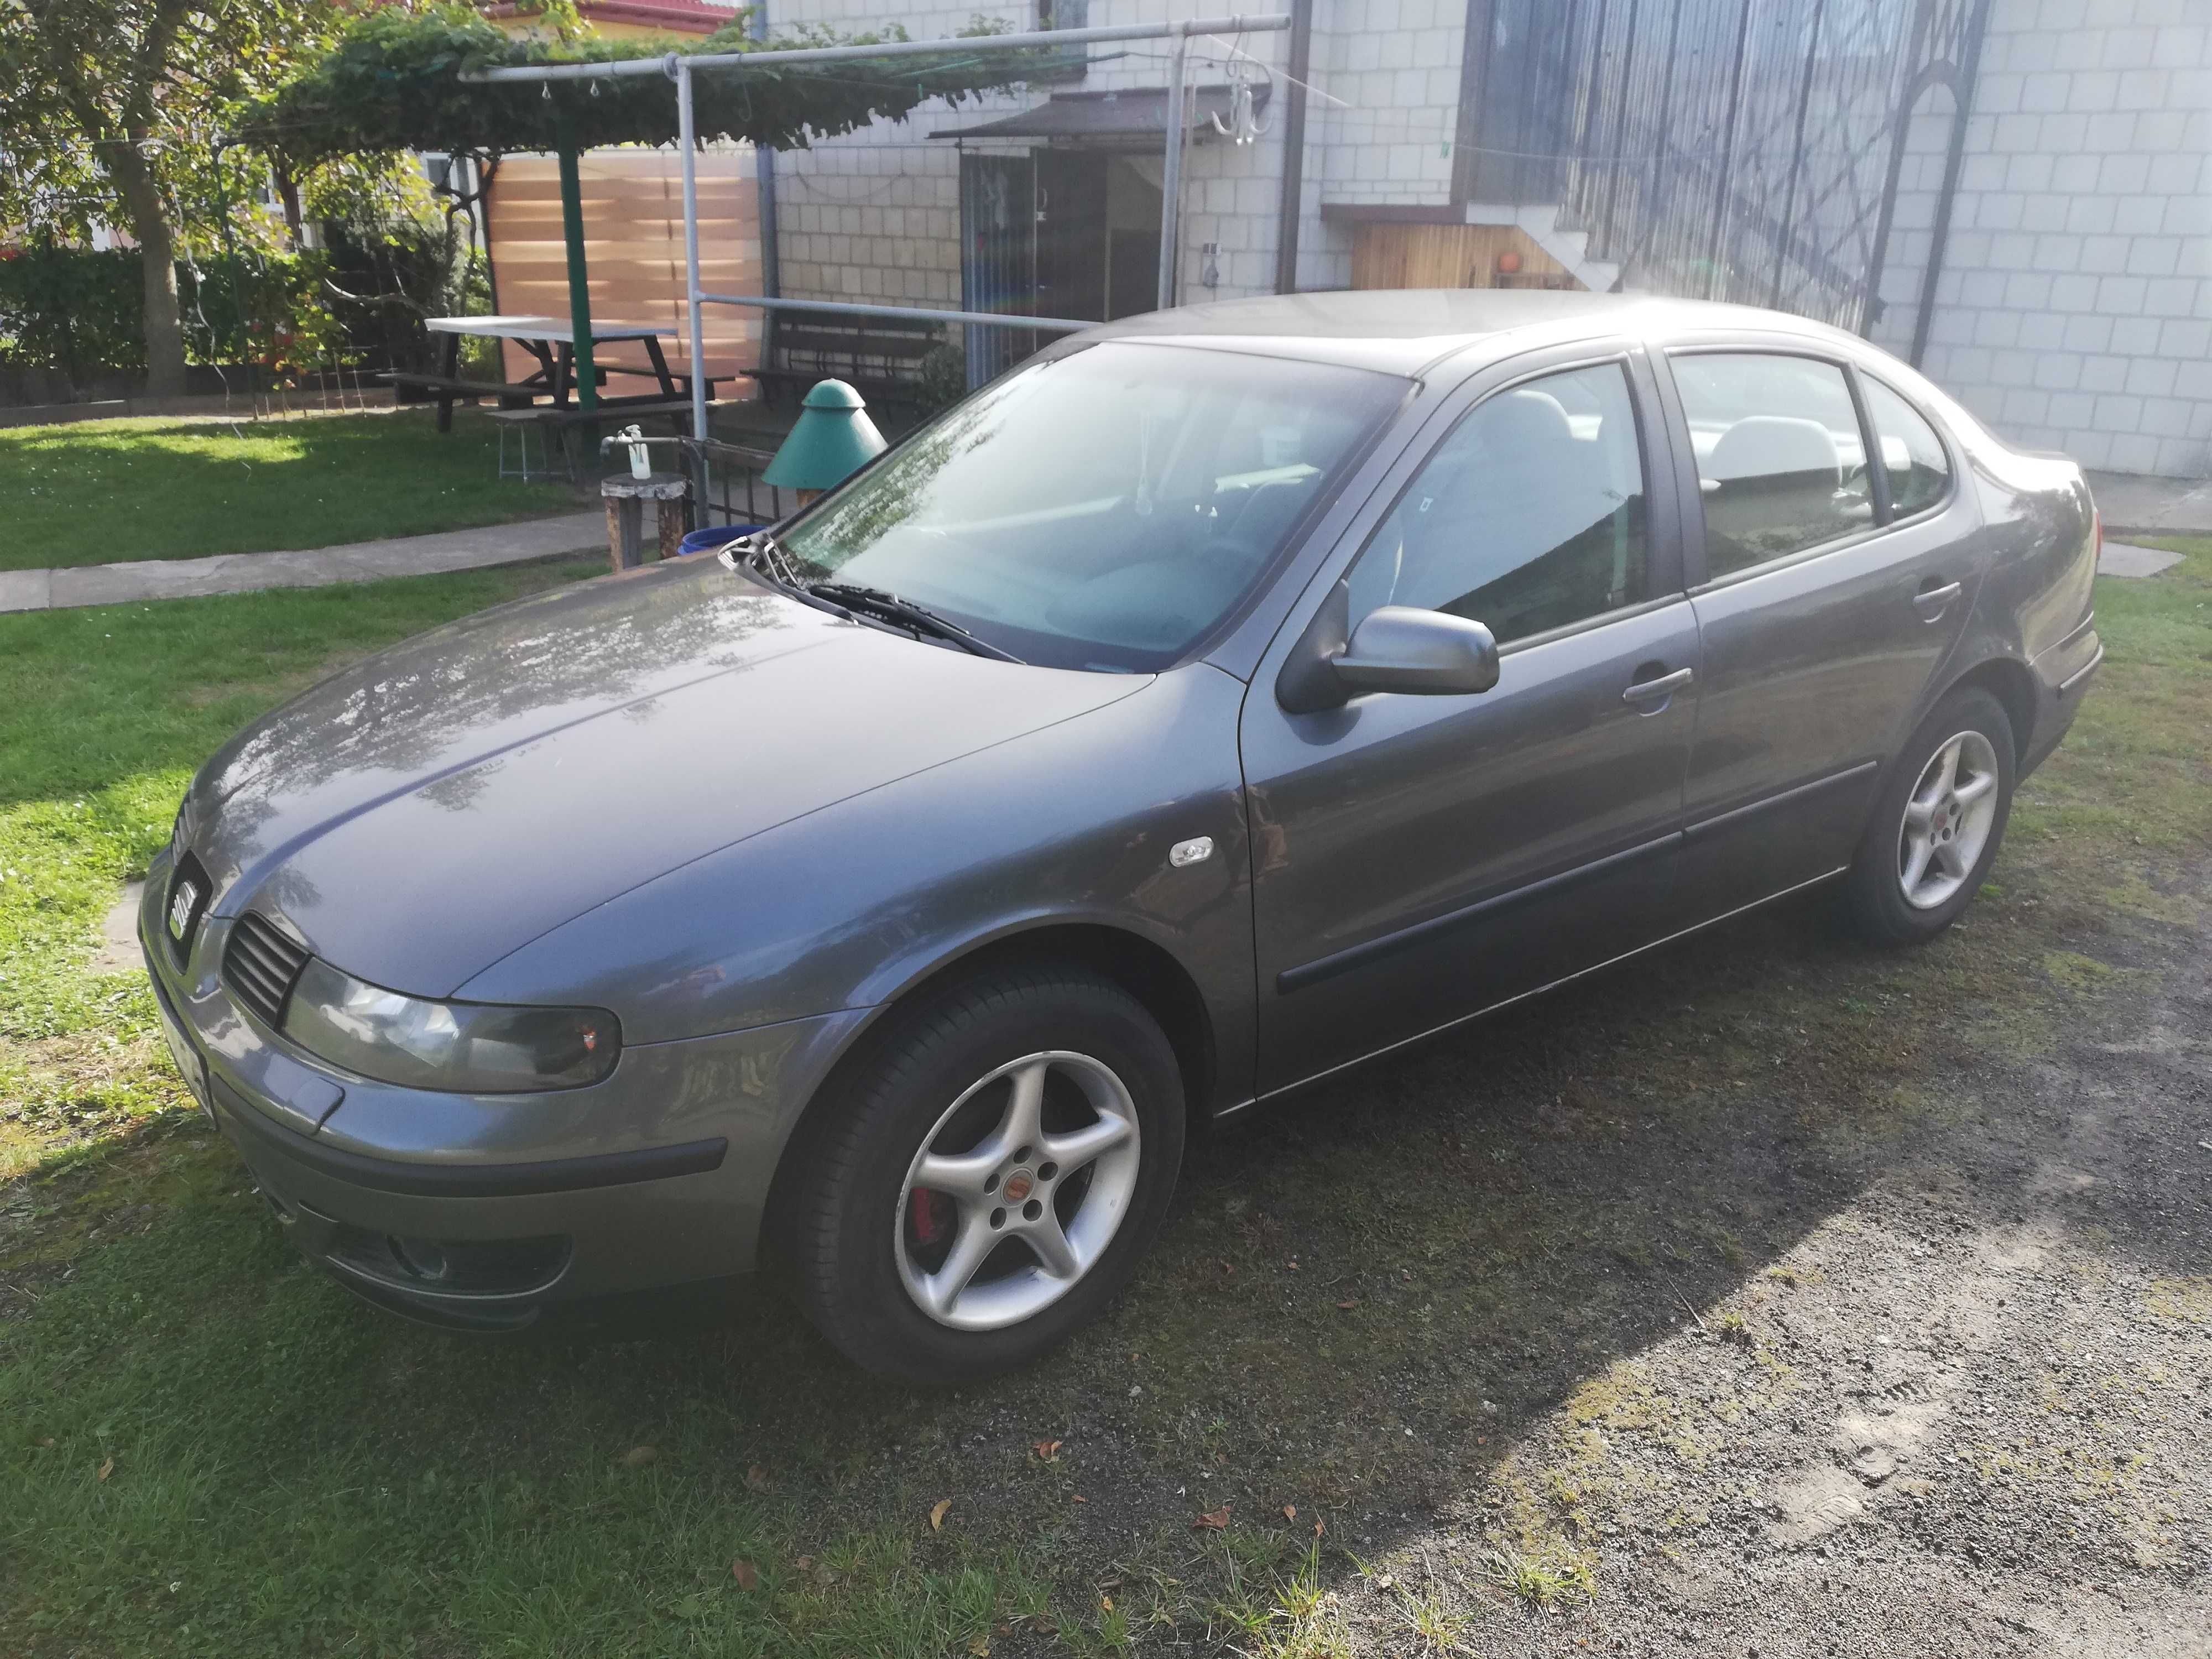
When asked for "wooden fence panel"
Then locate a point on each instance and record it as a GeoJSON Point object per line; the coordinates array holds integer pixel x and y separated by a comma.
{"type": "Point", "coordinates": [633, 202]}
{"type": "Point", "coordinates": [1450, 256]}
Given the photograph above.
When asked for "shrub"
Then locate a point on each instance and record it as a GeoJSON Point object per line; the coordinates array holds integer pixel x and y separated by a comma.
{"type": "Point", "coordinates": [79, 313]}
{"type": "Point", "coordinates": [70, 310]}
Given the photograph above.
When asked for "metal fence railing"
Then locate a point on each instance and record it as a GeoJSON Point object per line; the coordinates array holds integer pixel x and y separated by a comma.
{"type": "Point", "coordinates": [727, 485]}
{"type": "Point", "coordinates": [1741, 149]}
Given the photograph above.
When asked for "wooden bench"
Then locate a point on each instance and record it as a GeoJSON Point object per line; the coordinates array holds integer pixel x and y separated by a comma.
{"type": "Point", "coordinates": [881, 355]}
{"type": "Point", "coordinates": [447, 389]}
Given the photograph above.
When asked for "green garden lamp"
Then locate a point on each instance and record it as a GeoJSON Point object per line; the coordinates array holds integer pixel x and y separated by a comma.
{"type": "Point", "coordinates": [833, 440]}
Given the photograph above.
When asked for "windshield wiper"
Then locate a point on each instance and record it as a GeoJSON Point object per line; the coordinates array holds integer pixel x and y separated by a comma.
{"type": "Point", "coordinates": [891, 608]}
{"type": "Point", "coordinates": [764, 557]}
{"type": "Point", "coordinates": [763, 554]}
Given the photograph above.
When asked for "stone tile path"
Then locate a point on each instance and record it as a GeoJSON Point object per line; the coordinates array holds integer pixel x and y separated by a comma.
{"type": "Point", "coordinates": [356, 562]}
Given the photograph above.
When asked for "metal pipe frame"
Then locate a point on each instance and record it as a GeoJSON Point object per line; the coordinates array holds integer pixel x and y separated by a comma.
{"type": "Point", "coordinates": [845, 308]}
{"type": "Point", "coordinates": [679, 68]}
{"type": "Point", "coordinates": [1291, 205]}
{"type": "Point", "coordinates": [1171, 175]}
{"type": "Point", "coordinates": [1259, 24]}
{"type": "Point", "coordinates": [687, 134]}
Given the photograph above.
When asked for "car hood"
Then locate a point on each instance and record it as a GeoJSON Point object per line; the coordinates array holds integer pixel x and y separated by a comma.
{"type": "Point", "coordinates": [419, 815]}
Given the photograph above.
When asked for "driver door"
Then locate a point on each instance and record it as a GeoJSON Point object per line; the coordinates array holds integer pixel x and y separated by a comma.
{"type": "Point", "coordinates": [1418, 859]}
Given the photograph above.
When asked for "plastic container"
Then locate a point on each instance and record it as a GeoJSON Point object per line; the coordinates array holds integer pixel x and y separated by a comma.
{"type": "Point", "coordinates": [702, 541]}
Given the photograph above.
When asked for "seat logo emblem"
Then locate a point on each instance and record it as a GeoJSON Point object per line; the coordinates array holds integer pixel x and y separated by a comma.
{"type": "Point", "coordinates": [181, 909]}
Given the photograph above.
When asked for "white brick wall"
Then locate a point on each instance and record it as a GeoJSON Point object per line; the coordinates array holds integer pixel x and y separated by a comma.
{"type": "Point", "coordinates": [2074, 310]}
{"type": "Point", "coordinates": [876, 214]}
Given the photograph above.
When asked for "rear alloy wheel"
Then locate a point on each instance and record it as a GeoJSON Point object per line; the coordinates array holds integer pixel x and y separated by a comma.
{"type": "Point", "coordinates": [1947, 818]}
{"type": "Point", "coordinates": [1937, 825]}
{"type": "Point", "coordinates": [990, 1180]}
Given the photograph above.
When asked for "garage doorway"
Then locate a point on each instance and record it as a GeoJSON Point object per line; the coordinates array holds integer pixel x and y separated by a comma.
{"type": "Point", "coordinates": [1061, 232]}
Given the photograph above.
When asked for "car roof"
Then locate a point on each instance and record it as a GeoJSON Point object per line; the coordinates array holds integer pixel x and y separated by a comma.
{"type": "Point", "coordinates": [1403, 331]}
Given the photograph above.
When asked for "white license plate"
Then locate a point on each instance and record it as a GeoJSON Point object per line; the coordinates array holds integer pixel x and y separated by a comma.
{"type": "Point", "coordinates": [189, 1064]}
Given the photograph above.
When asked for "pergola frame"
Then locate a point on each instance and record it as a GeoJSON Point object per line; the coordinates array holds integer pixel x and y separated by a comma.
{"type": "Point", "coordinates": [680, 67]}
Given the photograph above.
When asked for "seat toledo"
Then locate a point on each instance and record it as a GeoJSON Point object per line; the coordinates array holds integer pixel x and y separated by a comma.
{"type": "Point", "coordinates": [1215, 700]}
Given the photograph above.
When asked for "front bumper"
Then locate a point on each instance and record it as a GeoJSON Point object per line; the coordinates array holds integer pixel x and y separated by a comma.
{"type": "Point", "coordinates": [478, 1211]}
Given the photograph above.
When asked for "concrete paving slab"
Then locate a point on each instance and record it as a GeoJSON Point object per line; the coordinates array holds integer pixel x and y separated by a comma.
{"type": "Point", "coordinates": [2139, 505]}
{"type": "Point", "coordinates": [2119, 559]}
{"type": "Point", "coordinates": [119, 933]}
{"type": "Point", "coordinates": [26, 590]}
{"type": "Point", "coordinates": [356, 562]}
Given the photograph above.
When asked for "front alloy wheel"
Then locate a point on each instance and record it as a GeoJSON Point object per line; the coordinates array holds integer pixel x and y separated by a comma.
{"type": "Point", "coordinates": [986, 1178]}
{"type": "Point", "coordinates": [1018, 1190]}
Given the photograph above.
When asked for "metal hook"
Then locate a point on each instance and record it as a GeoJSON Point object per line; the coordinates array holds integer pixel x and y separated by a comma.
{"type": "Point", "coordinates": [1244, 126]}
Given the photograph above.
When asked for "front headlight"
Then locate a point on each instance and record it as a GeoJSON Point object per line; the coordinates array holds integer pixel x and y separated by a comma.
{"type": "Point", "coordinates": [462, 1047]}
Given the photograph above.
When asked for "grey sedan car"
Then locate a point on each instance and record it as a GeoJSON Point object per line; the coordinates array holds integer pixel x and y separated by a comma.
{"type": "Point", "coordinates": [1216, 700]}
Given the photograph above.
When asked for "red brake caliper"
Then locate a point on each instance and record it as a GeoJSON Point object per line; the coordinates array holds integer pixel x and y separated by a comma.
{"type": "Point", "coordinates": [925, 1216]}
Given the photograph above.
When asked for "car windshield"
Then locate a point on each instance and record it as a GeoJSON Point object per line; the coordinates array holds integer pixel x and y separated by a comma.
{"type": "Point", "coordinates": [1101, 510]}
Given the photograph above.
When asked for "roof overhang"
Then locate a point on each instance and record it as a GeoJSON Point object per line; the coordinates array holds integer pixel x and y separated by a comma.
{"type": "Point", "coordinates": [1128, 115]}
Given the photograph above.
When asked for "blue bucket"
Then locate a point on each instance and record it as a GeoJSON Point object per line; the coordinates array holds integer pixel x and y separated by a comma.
{"type": "Point", "coordinates": [701, 541]}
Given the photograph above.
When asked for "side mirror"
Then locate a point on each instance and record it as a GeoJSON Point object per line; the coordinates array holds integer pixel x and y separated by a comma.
{"type": "Point", "coordinates": [1395, 648]}
{"type": "Point", "coordinates": [1398, 648]}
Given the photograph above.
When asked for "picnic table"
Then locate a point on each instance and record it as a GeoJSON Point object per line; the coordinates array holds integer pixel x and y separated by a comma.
{"type": "Point", "coordinates": [553, 345]}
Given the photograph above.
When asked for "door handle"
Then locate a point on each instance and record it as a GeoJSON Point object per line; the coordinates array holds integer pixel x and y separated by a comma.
{"type": "Point", "coordinates": [1656, 690]}
{"type": "Point", "coordinates": [1933, 601]}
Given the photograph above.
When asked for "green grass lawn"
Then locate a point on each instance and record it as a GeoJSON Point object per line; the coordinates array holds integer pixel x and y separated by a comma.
{"type": "Point", "coordinates": [1420, 1288]}
{"type": "Point", "coordinates": [97, 492]}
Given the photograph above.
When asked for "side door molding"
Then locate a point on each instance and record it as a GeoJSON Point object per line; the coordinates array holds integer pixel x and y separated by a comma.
{"type": "Point", "coordinates": [1357, 955]}
{"type": "Point", "coordinates": [1780, 798]}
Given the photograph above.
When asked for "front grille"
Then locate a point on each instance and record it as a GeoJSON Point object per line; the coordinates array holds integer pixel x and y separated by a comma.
{"type": "Point", "coordinates": [260, 966]}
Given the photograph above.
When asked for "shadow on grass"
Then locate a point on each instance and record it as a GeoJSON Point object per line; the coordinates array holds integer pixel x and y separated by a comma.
{"type": "Point", "coordinates": [1364, 1303]}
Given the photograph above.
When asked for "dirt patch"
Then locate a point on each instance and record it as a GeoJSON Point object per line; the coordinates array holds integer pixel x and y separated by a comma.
{"type": "Point", "coordinates": [1964, 1412]}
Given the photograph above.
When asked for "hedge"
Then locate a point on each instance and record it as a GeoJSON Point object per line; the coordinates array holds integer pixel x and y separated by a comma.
{"type": "Point", "coordinates": [80, 313]}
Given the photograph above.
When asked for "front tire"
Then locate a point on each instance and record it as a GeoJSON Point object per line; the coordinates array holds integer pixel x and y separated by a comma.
{"type": "Point", "coordinates": [1937, 824]}
{"type": "Point", "coordinates": [990, 1177]}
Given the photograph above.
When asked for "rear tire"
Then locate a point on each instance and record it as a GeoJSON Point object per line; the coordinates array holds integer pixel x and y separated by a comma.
{"type": "Point", "coordinates": [1937, 824]}
{"type": "Point", "coordinates": [987, 1181]}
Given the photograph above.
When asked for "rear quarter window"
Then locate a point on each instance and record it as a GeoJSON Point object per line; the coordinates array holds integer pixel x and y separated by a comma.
{"type": "Point", "coordinates": [1910, 455]}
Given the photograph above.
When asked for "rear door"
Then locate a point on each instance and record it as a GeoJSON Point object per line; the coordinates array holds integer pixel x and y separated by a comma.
{"type": "Point", "coordinates": [1418, 859]}
{"type": "Point", "coordinates": [1827, 591]}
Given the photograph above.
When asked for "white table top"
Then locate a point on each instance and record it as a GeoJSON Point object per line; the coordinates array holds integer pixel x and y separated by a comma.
{"type": "Point", "coordinates": [548, 328]}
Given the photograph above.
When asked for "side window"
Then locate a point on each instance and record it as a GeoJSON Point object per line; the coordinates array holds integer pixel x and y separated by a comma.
{"type": "Point", "coordinates": [1780, 460]}
{"type": "Point", "coordinates": [1911, 454]}
{"type": "Point", "coordinates": [1529, 516]}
